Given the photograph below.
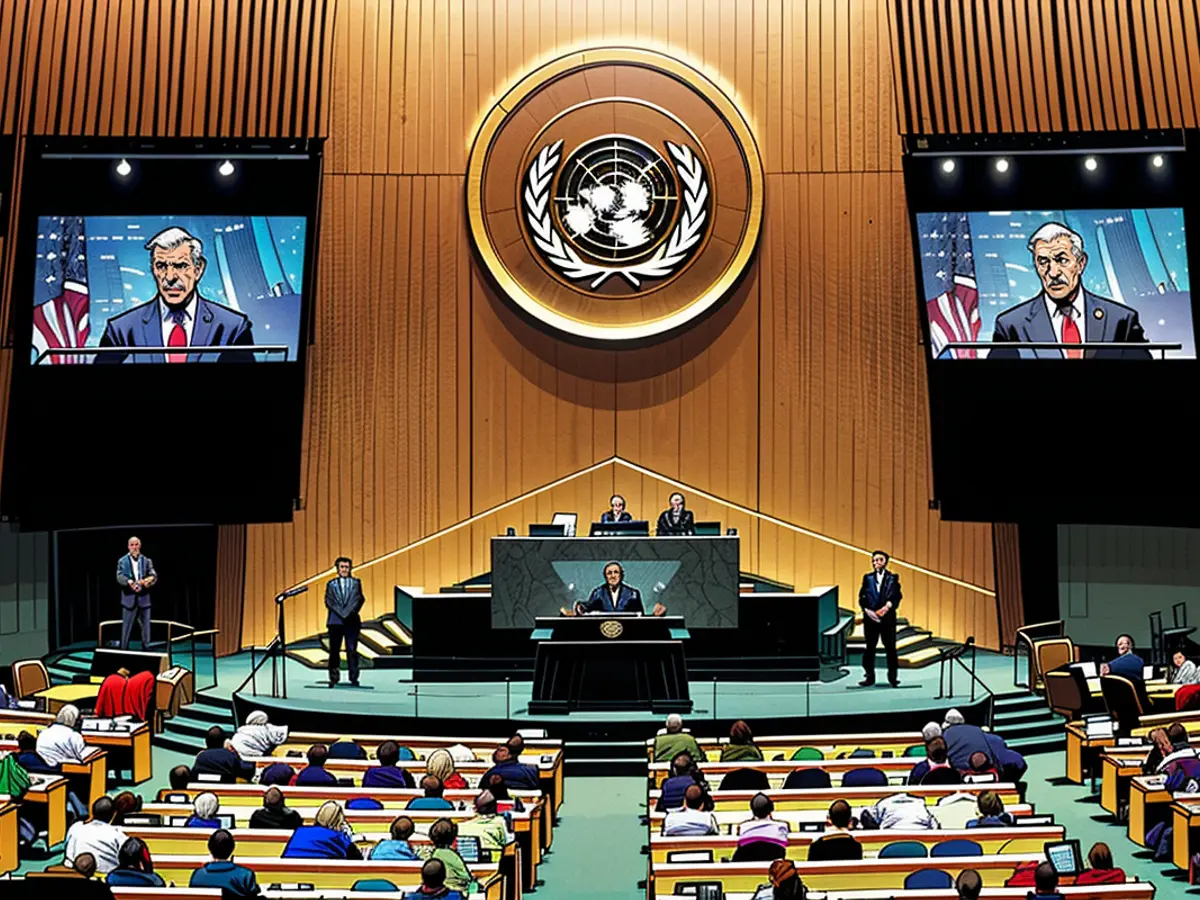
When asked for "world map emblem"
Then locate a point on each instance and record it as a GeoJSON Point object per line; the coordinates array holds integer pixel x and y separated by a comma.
{"type": "Point", "coordinates": [614, 195]}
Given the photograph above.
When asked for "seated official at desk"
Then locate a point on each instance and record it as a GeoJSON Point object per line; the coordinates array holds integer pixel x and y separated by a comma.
{"type": "Point", "coordinates": [1127, 664]}
{"type": "Point", "coordinates": [676, 519]}
{"type": "Point", "coordinates": [615, 596]}
{"type": "Point", "coordinates": [616, 511]}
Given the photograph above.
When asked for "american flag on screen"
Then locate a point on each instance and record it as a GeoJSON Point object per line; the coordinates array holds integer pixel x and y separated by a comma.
{"type": "Point", "coordinates": [62, 321]}
{"type": "Point", "coordinates": [954, 312]}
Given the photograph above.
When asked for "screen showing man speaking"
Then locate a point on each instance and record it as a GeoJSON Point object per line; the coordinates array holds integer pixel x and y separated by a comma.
{"type": "Point", "coordinates": [1057, 284]}
{"type": "Point", "coordinates": [168, 289]}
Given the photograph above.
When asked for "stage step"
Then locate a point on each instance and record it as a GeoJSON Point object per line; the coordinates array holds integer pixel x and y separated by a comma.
{"type": "Point", "coordinates": [1026, 723]}
{"type": "Point", "coordinates": [397, 630]}
{"type": "Point", "coordinates": [604, 758]}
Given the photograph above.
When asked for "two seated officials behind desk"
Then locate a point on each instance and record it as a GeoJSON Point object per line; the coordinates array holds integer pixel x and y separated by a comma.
{"type": "Point", "coordinates": [676, 519]}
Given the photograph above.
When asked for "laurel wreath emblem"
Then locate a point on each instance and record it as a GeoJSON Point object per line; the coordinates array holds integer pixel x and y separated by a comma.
{"type": "Point", "coordinates": [611, 628]}
{"type": "Point", "coordinates": [687, 232]}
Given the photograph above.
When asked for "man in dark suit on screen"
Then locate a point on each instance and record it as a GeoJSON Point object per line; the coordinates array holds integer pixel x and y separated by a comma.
{"type": "Point", "coordinates": [879, 596]}
{"type": "Point", "coordinates": [614, 596]}
{"type": "Point", "coordinates": [343, 598]}
{"type": "Point", "coordinates": [136, 576]}
{"type": "Point", "coordinates": [1065, 311]}
{"type": "Point", "coordinates": [178, 316]}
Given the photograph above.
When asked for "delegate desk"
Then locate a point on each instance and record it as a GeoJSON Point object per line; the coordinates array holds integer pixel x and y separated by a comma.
{"type": "Point", "coordinates": [830, 746]}
{"type": "Point", "coordinates": [897, 769]}
{"type": "Point", "coordinates": [46, 800]}
{"type": "Point", "coordinates": [729, 820]}
{"type": "Point", "coordinates": [1148, 805]}
{"type": "Point", "coordinates": [821, 798]}
{"type": "Point", "coordinates": [128, 747]}
{"type": "Point", "coordinates": [89, 778]}
{"type": "Point", "coordinates": [8, 835]}
{"type": "Point", "coordinates": [609, 662]}
{"type": "Point", "coordinates": [1132, 890]}
{"type": "Point", "coordinates": [1083, 752]}
{"type": "Point", "coordinates": [1118, 767]}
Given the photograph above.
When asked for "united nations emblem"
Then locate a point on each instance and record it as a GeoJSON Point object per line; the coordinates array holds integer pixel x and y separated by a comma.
{"type": "Point", "coordinates": [615, 195]}
{"type": "Point", "coordinates": [611, 628]}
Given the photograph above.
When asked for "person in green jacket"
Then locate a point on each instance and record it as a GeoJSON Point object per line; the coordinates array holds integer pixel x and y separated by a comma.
{"type": "Point", "coordinates": [442, 835]}
{"type": "Point", "coordinates": [741, 744]}
{"type": "Point", "coordinates": [675, 741]}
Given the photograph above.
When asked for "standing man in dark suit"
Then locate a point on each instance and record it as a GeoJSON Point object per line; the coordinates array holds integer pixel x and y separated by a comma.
{"type": "Point", "coordinates": [136, 576]}
{"type": "Point", "coordinates": [879, 596]}
{"type": "Point", "coordinates": [343, 598]}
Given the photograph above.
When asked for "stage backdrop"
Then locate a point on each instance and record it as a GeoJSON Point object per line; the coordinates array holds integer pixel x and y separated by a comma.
{"type": "Point", "coordinates": [803, 398]}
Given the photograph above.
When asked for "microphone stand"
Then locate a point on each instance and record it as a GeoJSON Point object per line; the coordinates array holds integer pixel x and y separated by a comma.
{"type": "Point", "coordinates": [282, 651]}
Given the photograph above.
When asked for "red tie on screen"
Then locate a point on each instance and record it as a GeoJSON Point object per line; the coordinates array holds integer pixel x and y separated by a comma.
{"type": "Point", "coordinates": [178, 338]}
{"type": "Point", "coordinates": [1071, 333]}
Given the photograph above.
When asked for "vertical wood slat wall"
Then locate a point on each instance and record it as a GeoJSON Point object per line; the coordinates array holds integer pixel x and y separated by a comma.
{"type": "Point", "coordinates": [429, 402]}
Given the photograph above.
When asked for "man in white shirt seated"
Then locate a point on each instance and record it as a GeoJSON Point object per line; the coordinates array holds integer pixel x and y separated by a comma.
{"type": "Point", "coordinates": [97, 836]}
{"type": "Point", "coordinates": [902, 812]}
{"type": "Point", "coordinates": [60, 742]}
{"type": "Point", "coordinates": [258, 737]}
{"type": "Point", "coordinates": [691, 819]}
{"type": "Point", "coordinates": [955, 810]}
{"type": "Point", "coordinates": [762, 827]}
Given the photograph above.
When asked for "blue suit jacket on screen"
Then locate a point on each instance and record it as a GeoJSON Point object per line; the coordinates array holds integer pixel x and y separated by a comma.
{"type": "Point", "coordinates": [215, 326]}
{"type": "Point", "coordinates": [628, 600]}
{"type": "Point", "coordinates": [1107, 320]}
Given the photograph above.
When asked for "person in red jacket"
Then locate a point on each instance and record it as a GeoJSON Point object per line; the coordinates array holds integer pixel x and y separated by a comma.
{"type": "Point", "coordinates": [1100, 868]}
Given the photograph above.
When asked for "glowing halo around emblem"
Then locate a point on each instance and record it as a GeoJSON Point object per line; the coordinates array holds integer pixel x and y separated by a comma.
{"type": "Point", "coordinates": [614, 195]}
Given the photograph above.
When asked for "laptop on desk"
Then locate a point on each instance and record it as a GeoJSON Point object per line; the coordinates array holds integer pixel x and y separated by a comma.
{"type": "Point", "coordinates": [620, 529]}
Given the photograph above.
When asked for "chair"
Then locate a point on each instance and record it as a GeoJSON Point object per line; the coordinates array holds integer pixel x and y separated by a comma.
{"type": "Point", "coordinates": [759, 851]}
{"type": "Point", "coordinates": [915, 750]}
{"type": "Point", "coordinates": [373, 884]}
{"type": "Point", "coordinates": [942, 775]}
{"type": "Point", "coordinates": [864, 778]}
{"type": "Point", "coordinates": [1156, 639]}
{"type": "Point", "coordinates": [346, 750]}
{"type": "Point", "coordinates": [806, 780]}
{"type": "Point", "coordinates": [407, 754]}
{"type": "Point", "coordinates": [1179, 614]}
{"type": "Point", "coordinates": [957, 847]}
{"type": "Point", "coordinates": [28, 677]}
{"type": "Point", "coordinates": [903, 849]}
{"type": "Point", "coordinates": [860, 753]}
{"type": "Point", "coordinates": [363, 803]}
{"type": "Point", "coordinates": [1063, 695]}
{"type": "Point", "coordinates": [745, 779]}
{"type": "Point", "coordinates": [928, 880]}
{"type": "Point", "coordinates": [1050, 654]}
{"type": "Point", "coordinates": [807, 754]}
{"type": "Point", "coordinates": [1122, 701]}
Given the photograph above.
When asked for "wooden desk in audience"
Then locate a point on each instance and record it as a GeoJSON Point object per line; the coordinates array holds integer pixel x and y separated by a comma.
{"type": "Point", "coordinates": [994, 841]}
{"type": "Point", "coordinates": [127, 749]}
{"type": "Point", "coordinates": [728, 820]}
{"type": "Point", "coordinates": [821, 798]}
{"type": "Point", "coordinates": [1148, 802]}
{"type": "Point", "coordinates": [1118, 768]}
{"type": "Point", "coordinates": [1133, 890]}
{"type": "Point", "coordinates": [832, 745]}
{"type": "Point", "coordinates": [1083, 751]}
{"type": "Point", "coordinates": [8, 835]}
{"type": "Point", "coordinates": [91, 775]}
{"type": "Point", "coordinates": [47, 799]}
{"type": "Point", "coordinates": [897, 769]}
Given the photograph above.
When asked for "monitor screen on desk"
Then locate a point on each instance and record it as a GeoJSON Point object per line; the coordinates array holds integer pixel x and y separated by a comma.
{"type": "Point", "coordinates": [537, 529]}
{"type": "Point", "coordinates": [619, 529]}
{"type": "Point", "coordinates": [468, 848]}
{"type": "Point", "coordinates": [1065, 857]}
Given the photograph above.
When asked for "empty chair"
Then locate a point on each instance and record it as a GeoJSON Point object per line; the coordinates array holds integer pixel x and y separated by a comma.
{"type": "Point", "coordinates": [806, 780]}
{"type": "Point", "coordinates": [942, 775]}
{"type": "Point", "coordinates": [745, 779]}
{"type": "Point", "coordinates": [860, 753]}
{"type": "Point", "coordinates": [1063, 695]}
{"type": "Point", "coordinates": [864, 778]}
{"type": "Point", "coordinates": [407, 754]}
{"type": "Point", "coordinates": [1121, 698]}
{"type": "Point", "coordinates": [807, 753]}
{"type": "Point", "coordinates": [373, 884]}
{"type": "Point", "coordinates": [957, 847]}
{"type": "Point", "coordinates": [928, 880]}
{"type": "Point", "coordinates": [363, 803]}
{"type": "Point", "coordinates": [915, 750]}
{"type": "Point", "coordinates": [759, 851]}
{"type": "Point", "coordinates": [903, 849]}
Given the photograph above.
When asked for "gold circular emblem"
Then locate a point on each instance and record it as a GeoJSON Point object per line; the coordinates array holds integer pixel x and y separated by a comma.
{"type": "Point", "coordinates": [615, 194]}
{"type": "Point", "coordinates": [611, 628]}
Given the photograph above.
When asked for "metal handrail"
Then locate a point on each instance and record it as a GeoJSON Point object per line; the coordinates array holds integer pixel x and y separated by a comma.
{"type": "Point", "coordinates": [268, 652]}
{"type": "Point", "coordinates": [955, 655]}
{"type": "Point", "coordinates": [172, 639]}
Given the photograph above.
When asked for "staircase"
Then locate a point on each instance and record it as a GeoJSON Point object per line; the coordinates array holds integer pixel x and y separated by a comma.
{"type": "Point", "coordinates": [1026, 723]}
{"type": "Point", "coordinates": [384, 643]}
{"type": "Point", "coordinates": [185, 732]}
{"type": "Point", "coordinates": [915, 647]}
{"type": "Point", "coordinates": [69, 664]}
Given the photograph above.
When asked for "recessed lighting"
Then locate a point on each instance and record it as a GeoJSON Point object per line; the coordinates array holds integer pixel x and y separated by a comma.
{"type": "Point", "coordinates": [225, 168]}
{"type": "Point", "coordinates": [1002, 165]}
{"type": "Point", "coordinates": [1157, 161]}
{"type": "Point", "coordinates": [1090, 164]}
{"type": "Point", "coordinates": [124, 168]}
{"type": "Point", "coordinates": [947, 166]}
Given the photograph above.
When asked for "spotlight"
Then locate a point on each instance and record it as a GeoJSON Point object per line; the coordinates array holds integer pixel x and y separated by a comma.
{"type": "Point", "coordinates": [124, 168]}
{"type": "Point", "coordinates": [1090, 164]}
{"type": "Point", "coordinates": [1002, 165]}
{"type": "Point", "coordinates": [1157, 161]}
{"type": "Point", "coordinates": [225, 169]}
{"type": "Point", "coordinates": [947, 166]}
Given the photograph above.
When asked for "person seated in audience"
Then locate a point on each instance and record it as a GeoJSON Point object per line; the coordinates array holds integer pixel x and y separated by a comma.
{"type": "Point", "coordinates": [682, 775]}
{"type": "Point", "coordinates": [968, 884]}
{"type": "Point", "coordinates": [179, 778]}
{"type": "Point", "coordinates": [616, 511]}
{"type": "Point", "coordinates": [1181, 765]}
{"type": "Point", "coordinates": [676, 519]}
{"type": "Point", "coordinates": [1126, 663]}
{"type": "Point", "coordinates": [517, 775]}
{"type": "Point", "coordinates": [346, 747]}
{"type": "Point", "coordinates": [1100, 868]}
{"type": "Point", "coordinates": [692, 818]}
{"type": "Point", "coordinates": [387, 774]}
{"type": "Point", "coordinates": [1045, 883]}
{"type": "Point", "coordinates": [902, 812]}
{"type": "Point", "coordinates": [440, 764]}
{"type": "Point", "coordinates": [954, 811]}
{"type": "Point", "coordinates": [784, 883]}
{"type": "Point", "coordinates": [962, 740]}
{"type": "Point", "coordinates": [433, 884]}
{"type": "Point", "coordinates": [991, 812]}
{"type": "Point", "coordinates": [1160, 749]}
{"type": "Point", "coordinates": [930, 731]}
{"type": "Point", "coordinates": [433, 799]}
{"type": "Point", "coordinates": [134, 867]}
{"type": "Point", "coordinates": [279, 773]}
{"type": "Point", "coordinates": [504, 803]}
{"type": "Point", "coordinates": [837, 842]}
{"type": "Point", "coordinates": [675, 740]}
{"type": "Point", "coordinates": [314, 773]}
{"type": "Point", "coordinates": [121, 694]}
{"type": "Point", "coordinates": [83, 867]}
{"type": "Point", "coordinates": [487, 825]}
{"type": "Point", "coordinates": [741, 745]}
{"type": "Point", "coordinates": [762, 825]}
{"type": "Point", "coordinates": [936, 761]}
{"type": "Point", "coordinates": [27, 755]}
{"type": "Point", "coordinates": [222, 872]}
{"type": "Point", "coordinates": [128, 804]}
{"type": "Point", "coordinates": [62, 742]}
{"type": "Point", "coordinates": [981, 767]}
{"type": "Point", "coordinates": [204, 811]}
{"type": "Point", "coordinates": [1183, 670]}
{"type": "Point", "coordinates": [397, 846]}
{"type": "Point", "coordinates": [220, 759]}
{"type": "Point", "coordinates": [97, 836]}
{"type": "Point", "coordinates": [258, 737]}
{"type": "Point", "coordinates": [274, 813]}
{"type": "Point", "coordinates": [442, 835]}
{"type": "Point", "coordinates": [329, 837]}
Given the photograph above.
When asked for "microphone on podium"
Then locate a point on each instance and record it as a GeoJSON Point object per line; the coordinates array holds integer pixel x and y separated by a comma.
{"type": "Point", "coordinates": [291, 592]}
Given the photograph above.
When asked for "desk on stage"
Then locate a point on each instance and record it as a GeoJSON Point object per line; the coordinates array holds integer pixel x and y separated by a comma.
{"type": "Point", "coordinates": [609, 663]}
{"type": "Point", "coordinates": [694, 577]}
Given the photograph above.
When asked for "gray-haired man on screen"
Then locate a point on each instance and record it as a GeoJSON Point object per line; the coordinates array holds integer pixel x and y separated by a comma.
{"type": "Point", "coordinates": [177, 316]}
{"type": "Point", "coordinates": [1065, 311]}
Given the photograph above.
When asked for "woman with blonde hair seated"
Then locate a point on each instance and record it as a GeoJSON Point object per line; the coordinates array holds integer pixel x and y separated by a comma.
{"type": "Point", "coordinates": [330, 837]}
{"type": "Point", "coordinates": [441, 764]}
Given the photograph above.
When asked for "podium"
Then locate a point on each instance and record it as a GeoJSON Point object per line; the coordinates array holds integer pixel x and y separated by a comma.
{"type": "Point", "coordinates": [609, 663]}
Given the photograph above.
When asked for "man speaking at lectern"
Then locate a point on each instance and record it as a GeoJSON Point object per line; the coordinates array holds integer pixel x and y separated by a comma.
{"type": "Point", "coordinates": [616, 596]}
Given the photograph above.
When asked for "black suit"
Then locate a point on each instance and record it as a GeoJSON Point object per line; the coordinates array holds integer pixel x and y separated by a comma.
{"type": "Point", "coordinates": [872, 596]}
{"type": "Point", "coordinates": [686, 524]}
{"type": "Point", "coordinates": [834, 846]}
{"type": "Point", "coordinates": [343, 599]}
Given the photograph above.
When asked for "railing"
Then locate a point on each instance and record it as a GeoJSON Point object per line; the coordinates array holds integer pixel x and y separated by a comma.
{"type": "Point", "coordinates": [1025, 636]}
{"type": "Point", "coordinates": [949, 658]}
{"type": "Point", "coordinates": [188, 633]}
{"type": "Point", "coordinates": [268, 652]}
